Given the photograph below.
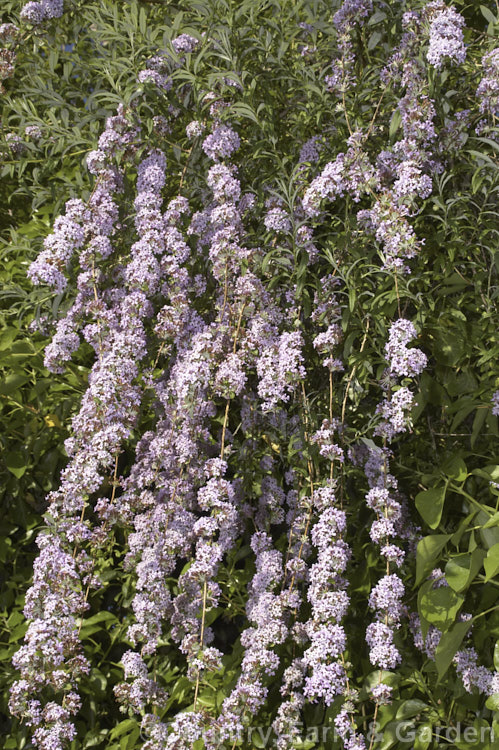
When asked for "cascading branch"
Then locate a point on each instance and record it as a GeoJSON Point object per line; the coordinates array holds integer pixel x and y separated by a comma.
{"type": "Point", "coordinates": [231, 440]}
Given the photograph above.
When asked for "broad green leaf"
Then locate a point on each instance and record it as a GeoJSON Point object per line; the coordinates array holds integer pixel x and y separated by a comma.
{"type": "Point", "coordinates": [16, 463]}
{"type": "Point", "coordinates": [7, 337]}
{"type": "Point", "coordinates": [395, 733]}
{"type": "Point", "coordinates": [490, 472]}
{"type": "Point", "coordinates": [439, 606]}
{"type": "Point", "coordinates": [423, 738]}
{"type": "Point", "coordinates": [492, 702]}
{"type": "Point", "coordinates": [12, 382]}
{"type": "Point", "coordinates": [478, 423]}
{"type": "Point", "coordinates": [448, 645]}
{"type": "Point", "coordinates": [395, 123]}
{"type": "Point", "coordinates": [491, 562]}
{"type": "Point", "coordinates": [457, 571]}
{"type": "Point", "coordinates": [427, 553]}
{"type": "Point", "coordinates": [493, 521]}
{"type": "Point", "coordinates": [456, 469]}
{"type": "Point", "coordinates": [123, 728]}
{"type": "Point", "coordinates": [430, 504]}
{"type": "Point", "coordinates": [381, 675]}
{"type": "Point", "coordinates": [462, 569]}
{"type": "Point", "coordinates": [95, 623]}
{"type": "Point", "coordinates": [411, 707]}
{"type": "Point", "coordinates": [488, 15]}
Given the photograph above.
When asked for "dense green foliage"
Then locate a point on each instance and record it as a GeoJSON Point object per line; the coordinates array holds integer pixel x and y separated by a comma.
{"type": "Point", "coordinates": [70, 75]}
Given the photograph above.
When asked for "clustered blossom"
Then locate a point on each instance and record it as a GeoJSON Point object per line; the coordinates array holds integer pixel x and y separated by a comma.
{"type": "Point", "coordinates": [325, 440]}
{"type": "Point", "coordinates": [350, 173]}
{"type": "Point", "coordinates": [488, 88]}
{"type": "Point", "coordinates": [327, 313]}
{"type": "Point", "coordinates": [395, 408]}
{"type": "Point", "coordinates": [37, 12]}
{"type": "Point", "coordinates": [319, 673]}
{"type": "Point", "coordinates": [142, 690]}
{"type": "Point", "coordinates": [473, 675]}
{"type": "Point", "coordinates": [33, 132]}
{"type": "Point", "coordinates": [184, 43]}
{"type": "Point", "coordinates": [395, 413]}
{"type": "Point", "coordinates": [404, 172]}
{"type": "Point", "coordinates": [52, 654]}
{"type": "Point", "coordinates": [310, 150]}
{"type": "Point", "coordinates": [278, 220]}
{"type": "Point", "coordinates": [161, 80]}
{"type": "Point", "coordinates": [267, 610]}
{"type": "Point", "coordinates": [186, 500]}
{"type": "Point", "coordinates": [387, 596]}
{"type": "Point", "coordinates": [214, 536]}
{"type": "Point", "coordinates": [8, 35]}
{"type": "Point", "coordinates": [342, 77]}
{"type": "Point", "coordinates": [296, 573]}
{"type": "Point", "coordinates": [446, 34]}
{"type": "Point", "coordinates": [404, 361]}
{"type": "Point", "coordinates": [221, 143]}
{"type": "Point", "coordinates": [429, 644]}
{"type": "Point", "coordinates": [92, 225]}
{"type": "Point", "coordinates": [194, 129]}
{"type": "Point", "coordinates": [279, 369]}
{"type": "Point", "coordinates": [329, 602]}
{"type": "Point", "coordinates": [351, 12]}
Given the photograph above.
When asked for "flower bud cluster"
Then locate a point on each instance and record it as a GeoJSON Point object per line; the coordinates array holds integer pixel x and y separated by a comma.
{"type": "Point", "coordinates": [189, 337]}
{"type": "Point", "coordinates": [268, 611]}
{"type": "Point", "coordinates": [36, 12]}
{"type": "Point", "coordinates": [395, 407]}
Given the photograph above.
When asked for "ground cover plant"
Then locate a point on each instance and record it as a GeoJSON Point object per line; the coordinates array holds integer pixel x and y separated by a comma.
{"type": "Point", "coordinates": [249, 384]}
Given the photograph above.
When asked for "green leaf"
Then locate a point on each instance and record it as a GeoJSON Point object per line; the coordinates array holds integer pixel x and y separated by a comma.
{"type": "Point", "coordinates": [7, 337]}
{"type": "Point", "coordinates": [456, 469]}
{"type": "Point", "coordinates": [423, 736]}
{"type": "Point", "coordinates": [381, 675]}
{"type": "Point", "coordinates": [493, 521]}
{"type": "Point", "coordinates": [18, 632]}
{"type": "Point", "coordinates": [490, 472]}
{"type": "Point", "coordinates": [491, 562]}
{"type": "Point", "coordinates": [244, 110]}
{"type": "Point", "coordinates": [395, 123]}
{"type": "Point", "coordinates": [374, 39]}
{"type": "Point", "coordinates": [440, 606]}
{"type": "Point", "coordinates": [430, 504]}
{"type": "Point", "coordinates": [478, 423]}
{"type": "Point", "coordinates": [462, 569]}
{"type": "Point", "coordinates": [16, 463]}
{"type": "Point", "coordinates": [457, 571]}
{"type": "Point", "coordinates": [488, 15]}
{"type": "Point", "coordinates": [94, 737]}
{"type": "Point", "coordinates": [95, 623]}
{"type": "Point", "coordinates": [492, 702]}
{"type": "Point", "coordinates": [395, 733]}
{"type": "Point", "coordinates": [448, 645]}
{"type": "Point", "coordinates": [123, 728]}
{"type": "Point", "coordinates": [411, 707]}
{"type": "Point", "coordinates": [427, 552]}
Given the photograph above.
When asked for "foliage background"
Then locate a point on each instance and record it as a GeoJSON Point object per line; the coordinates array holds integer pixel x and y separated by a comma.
{"type": "Point", "coordinates": [69, 76]}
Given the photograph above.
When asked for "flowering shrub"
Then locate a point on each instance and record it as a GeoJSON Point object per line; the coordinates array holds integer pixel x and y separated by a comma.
{"type": "Point", "coordinates": [250, 381]}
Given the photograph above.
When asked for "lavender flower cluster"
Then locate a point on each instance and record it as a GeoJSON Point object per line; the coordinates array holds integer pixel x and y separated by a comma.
{"type": "Point", "coordinates": [173, 297]}
{"type": "Point", "coordinates": [35, 12]}
{"type": "Point", "coordinates": [395, 407]}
